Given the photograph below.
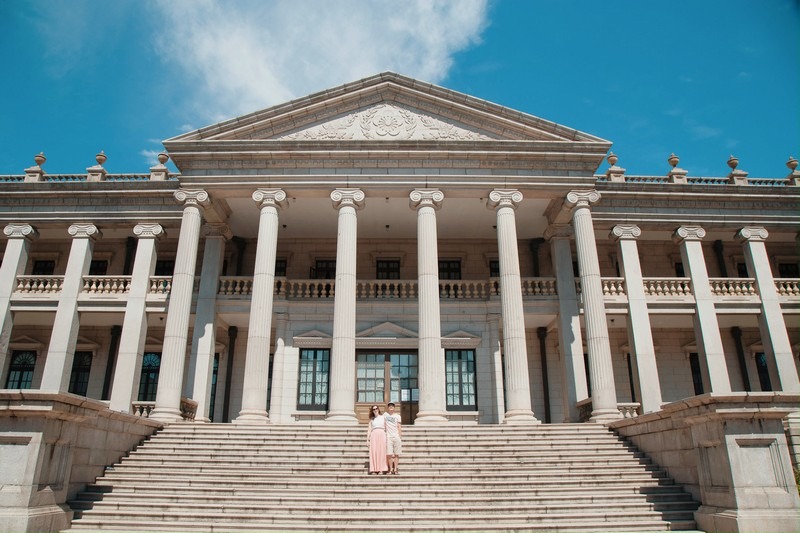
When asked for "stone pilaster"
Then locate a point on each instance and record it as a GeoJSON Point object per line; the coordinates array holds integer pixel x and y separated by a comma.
{"type": "Point", "coordinates": [58, 366]}
{"type": "Point", "coordinates": [706, 325]}
{"type": "Point", "coordinates": [771, 323]}
{"type": "Point", "coordinates": [604, 394]}
{"type": "Point", "coordinates": [342, 393]}
{"type": "Point", "coordinates": [15, 258]}
{"type": "Point", "coordinates": [256, 366]}
{"type": "Point", "coordinates": [173, 357]}
{"type": "Point", "coordinates": [518, 392]}
{"type": "Point", "coordinates": [204, 338]}
{"type": "Point", "coordinates": [134, 324]}
{"type": "Point", "coordinates": [432, 402]}
{"type": "Point", "coordinates": [570, 338]}
{"type": "Point", "coordinates": [640, 335]}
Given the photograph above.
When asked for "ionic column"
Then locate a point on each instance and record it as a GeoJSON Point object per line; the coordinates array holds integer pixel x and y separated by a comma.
{"type": "Point", "coordinates": [706, 326]}
{"type": "Point", "coordinates": [15, 259]}
{"type": "Point", "coordinates": [58, 366]}
{"type": "Point", "coordinates": [770, 321]}
{"type": "Point", "coordinates": [518, 392]}
{"type": "Point", "coordinates": [134, 324]}
{"type": "Point", "coordinates": [639, 333]}
{"type": "Point", "coordinates": [342, 395]}
{"type": "Point", "coordinates": [256, 366]}
{"type": "Point", "coordinates": [173, 357]}
{"type": "Point", "coordinates": [604, 393]}
{"type": "Point", "coordinates": [204, 338]}
{"type": "Point", "coordinates": [570, 340]}
{"type": "Point", "coordinates": [432, 403]}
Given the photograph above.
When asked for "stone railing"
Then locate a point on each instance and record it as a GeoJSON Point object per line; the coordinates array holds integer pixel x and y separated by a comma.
{"type": "Point", "coordinates": [787, 287]}
{"type": "Point", "coordinates": [460, 289]}
{"type": "Point", "coordinates": [308, 288]}
{"type": "Point", "coordinates": [539, 287]}
{"type": "Point", "coordinates": [39, 284]}
{"type": "Point", "coordinates": [160, 284]}
{"type": "Point", "coordinates": [235, 286]}
{"type": "Point", "coordinates": [613, 287]}
{"type": "Point", "coordinates": [626, 409]}
{"type": "Point", "coordinates": [387, 289]}
{"type": "Point", "coordinates": [733, 286]}
{"type": "Point", "coordinates": [629, 410]}
{"type": "Point", "coordinates": [107, 284]}
{"type": "Point", "coordinates": [667, 286]}
{"type": "Point", "coordinates": [143, 409]}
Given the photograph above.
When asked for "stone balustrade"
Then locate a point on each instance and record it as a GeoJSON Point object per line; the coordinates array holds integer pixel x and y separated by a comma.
{"type": "Point", "coordinates": [453, 289]}
{"type": "Point", "coordinates": [787, 287]}
{"type": "Point", "coordinates": [626, 409]}
{"type": "Point", "coordinates": [160, 284]}
{"type": "Point", "coordinates": [235, 286]}
{"type": "Point", "coordinates": [39, 284]}
{"type": "Point", "coordinates": [539, 287]}
{"type": "Point", "coordinates": [143, 409]}
{"type": "Point", "coordinates": [674, 287]}
{"type": "Point", "coordinates": [733, 286]}
{"type": "Point", "coordinates": [613, 287]}
{"type": "Point", "coordinates": [106, 284]}
{"type": "Point", "coordinates": [629, 409]}
{"type": "Point", "coordinates": [309, 288]}
{"type": "Point", "coordinates": [387, 289]}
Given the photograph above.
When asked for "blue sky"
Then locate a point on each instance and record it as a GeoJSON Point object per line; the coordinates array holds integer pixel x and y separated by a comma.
{"type": "Point", "coordinates": [702, 79]}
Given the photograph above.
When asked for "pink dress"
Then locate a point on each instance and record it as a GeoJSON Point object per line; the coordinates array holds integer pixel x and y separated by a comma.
{"type": "Point", "coordinates": [377, 445]}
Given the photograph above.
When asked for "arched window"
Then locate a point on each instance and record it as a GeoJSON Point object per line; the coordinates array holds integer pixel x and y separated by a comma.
{"type": "Point", "coordinates": [20, 372]}
{"type": "Point", "coordinates": [148, 384]}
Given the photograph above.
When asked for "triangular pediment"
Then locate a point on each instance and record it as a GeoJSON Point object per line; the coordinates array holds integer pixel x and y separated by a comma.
{"type": "Point", "coordinates": [387, 107]}
{"type": "Point", "coordinates": [389, 330]}
{"type": "Point", "coordinates": [25, 342]}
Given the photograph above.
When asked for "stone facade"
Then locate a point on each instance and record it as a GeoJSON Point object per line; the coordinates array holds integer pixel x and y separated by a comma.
{"type": "Point", "coordinates": [390, 240]}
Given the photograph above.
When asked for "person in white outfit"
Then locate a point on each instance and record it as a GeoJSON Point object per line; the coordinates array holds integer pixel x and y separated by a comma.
{"type": "Point", "coordinates": [394, 433]}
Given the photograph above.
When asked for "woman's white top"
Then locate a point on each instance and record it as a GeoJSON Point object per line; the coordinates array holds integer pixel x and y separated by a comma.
{"type": "Point", "coordinates": [378, 422]}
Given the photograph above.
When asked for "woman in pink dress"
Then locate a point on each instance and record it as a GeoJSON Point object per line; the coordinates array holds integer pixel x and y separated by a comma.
{"type": "Point", "coordinates": [376, 440]}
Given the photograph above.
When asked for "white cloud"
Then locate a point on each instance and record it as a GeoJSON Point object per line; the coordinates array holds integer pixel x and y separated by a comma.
{"type": "Point", "coordinates": [150, 156]}
{"type": "Point", "coordinates": [249, 55]}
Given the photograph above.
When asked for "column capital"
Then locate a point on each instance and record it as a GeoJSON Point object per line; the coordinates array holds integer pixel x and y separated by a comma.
{"type": "Point", "coordinates": [558, 231]}
{"type": "Point", "coordinates": [347, 197]}
{"type": "Point", "coordinates": [625, 232]}
{"type": "Point", "coordinates": [84, 231]}
{"type": "Point", "coordinates": [688, 233]}
{"type": "Point", "coordinates": [216, 230]}
{"type": "Point", "coordinates": [426, 198]}
{"type": "Point", "coordinates": [20, 231]}
{"type": "Point", "coordinates": [504, 198]}
{"type": "Point", "coordinates": [582, 198]}
{"type": "Point", "coordinates": [270, 197]}
{"type": "Point", "coordinates": [752, 234]}
{"type": "Point", "coordinates": [195, 197]}
{"type": "Point", "coordinates": [149, 231]}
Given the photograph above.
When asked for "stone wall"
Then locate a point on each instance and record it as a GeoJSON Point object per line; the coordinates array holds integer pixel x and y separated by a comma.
{"type": "Point", "coordinates": [51, 446]}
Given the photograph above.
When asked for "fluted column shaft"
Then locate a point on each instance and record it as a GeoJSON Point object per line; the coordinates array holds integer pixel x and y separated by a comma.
{"type": "Point", "coordinates": [342, 392]}
{"type": "Point", "coordinates": [14, 260]}
{"type": "Point", "coordinates": [204, 338]}
{"type": "Point", "coordinates": [432, 402]}
{"type": "Point", "coordinates": [570, 339]}
{"type": "Point", "coordinates": [706, 325]}
{"type": "Point", "coordinates": [771, 323]}
{"type": "Point", "coordinates": [639, 332]}
{"type": "Point", "coordinates": [604, 393]}
{"type": "Point", "coordinates": [256, 366]}
{"type": "Point", "coordinates": [518, 391]}
{"type": "Point", "coordinates": [176, 331]}
{"type": "Point", "coordinates": [134, 324]}
{"type": "Point", "coordinates": [64, 337]}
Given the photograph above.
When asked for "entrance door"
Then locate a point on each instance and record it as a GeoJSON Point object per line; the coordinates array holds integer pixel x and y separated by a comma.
{"type": "Point", "coordinates": [387, 376]}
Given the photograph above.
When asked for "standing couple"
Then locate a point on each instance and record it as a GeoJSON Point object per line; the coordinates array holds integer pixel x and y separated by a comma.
{"type": "Point", "coordinates": [383, 438]}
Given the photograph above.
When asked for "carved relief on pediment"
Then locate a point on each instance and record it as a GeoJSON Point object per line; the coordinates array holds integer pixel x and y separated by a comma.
{"type": "Point", "coordinates": [387, 122]}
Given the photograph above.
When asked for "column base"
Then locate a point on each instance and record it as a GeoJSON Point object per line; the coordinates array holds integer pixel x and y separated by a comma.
{"type": "Point", "coordinates": [431, 418]}
{"type": "Point", "coordinates": [253, 417]}
{"type": "Point", "coordinates": [341, 418]}
{"type": "Point", "coordinates": [166, 414]}
{"type": "Point", "coordinates": [520, 417]}
{"type": "Point", "coordinates": [604, 416]}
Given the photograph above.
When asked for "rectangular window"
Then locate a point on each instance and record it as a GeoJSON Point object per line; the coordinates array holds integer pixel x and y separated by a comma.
{"type": "Point", "coordinates": [450, 269]}
{"type": "Point", "coordinates": [79, 378]}
{"type": "Point", "coordinates": [164, 267]}
{"type": "Point", "coordinates": [460, 380]}
{"type": "Point", "coordinates": [280, 267]}
{"type": "Point", "coordinates": [148, 382]}
{"type": "Point", "coordinates": [679, 272]}
{"type": "Point", "coordinates": [494, 268]}
{"type": "Point", "coordinates": [324, 269]}
{"type": "Point", "coordinates": [20, 371]}
{"type": "Point", "coordinates": [788, 270]}
{"type": "Point", "coordinates": [98, 267]}
{"type": "Point", "coordinates": [387, 269]}
{"type": "Point", "coordinates": [763, 372]}
{"type": "Point", "coordinates": [697, 374]}
{"type": "Point", "coordinates": [43, 268]}
{"type": "Point", "coordinates": [312, 390]}
{"type": "Point", "coordinates": [741, 270]}
{"type": "Point", "coordinates": [371, 377]}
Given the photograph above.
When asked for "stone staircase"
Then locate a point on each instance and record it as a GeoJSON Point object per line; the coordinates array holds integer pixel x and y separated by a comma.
{"type": "Point", "coordinates": [223, 477]}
